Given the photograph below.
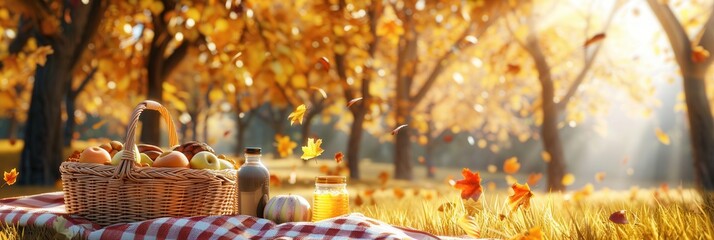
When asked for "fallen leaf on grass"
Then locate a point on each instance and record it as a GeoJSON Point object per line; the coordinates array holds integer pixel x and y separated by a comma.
{"type": "Point", "coordinates": [383, 177]}
{"type": "Point", "coordinates": [532, 234]}
{"type": "Point", "coordinates": [358, 200]}
{"type": "Point", "coordinates": [399, 193]}
{"type": "Point", "coordinates": [619, 217]}
{"type": "Point", "coordinates": [470, 186]}
{"type": "Point", "coordinates": [511, 165]}
{"type": "Point", "coordinates": [521, 197]}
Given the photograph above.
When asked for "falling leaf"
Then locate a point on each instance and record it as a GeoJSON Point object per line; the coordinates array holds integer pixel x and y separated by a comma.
{"type": "Point", "coordinates": [586, 191]}
{"type": "Point", "coordinates": [510, 180]}
{"type": "Point", "coordinates": [532, 234]}
{"type": "Point", "coordinates": [598, 37]}
{"type": "Point", "coordinates": [297, 115]}
{"type": "Point", "coordinates": [383, 177]}
{"type": "Point", "coordinates": [533, 178]}
{"type": "Point", "coordinates": [312, 150]}
{"type": "Point", "coordinates": [492, 168]}
{"type": "Point", "coordinates": [369, 192]}
{"type": "Point", "coordinates": [99, 124]}
{"type": "Point", "coordinates": [511, 165]}
{"type": "Point", "coordinates": [662, 136]}
{"type": "Point", "coordinates": [664, 187]}
{"type": "Point", "coordinates": [10, 177]}
{"type": "Point", "coordinates": [325, 63]}
{"type": "Point", "coordinates": [599, 176]}
{"type": "Point", "coordinates": [358, 200]}
{"type": "Point", "coordinates": [321, 91]}
{"type": "Point", "coordinates": [471, 140]}
{"type": "Point", "coordinates": [275, 181]}
{"type": "Point", "coordinates": [448, 138]}
{"type": "Point", "coordinates": [353, 101]}
{"type": "Point", "coordinates": [546, 156]}
{"type": "Point", "coordinates": [470, 186]}
{"type": "Point", "coordinates": [468, 224]}
{"type": "Point", "coordinates": [226, 133]}
{"type": "Point", "coordinates": [396, 130]}
{"type": "Point", "coordinates": [699, 54]}
{"type": "Point", "coordinates": [568, 179]}
{"type": "Point", "coordinates": [285, 145]}
{"type": "Point", "coordinates": [501, 216]}
{"type": "Point", "coordinates": [521, 197]}
{"type": "Point", "coordinates": [513, 68]}
{"type": "Point", "coordinates": [338, 157]}
{"type": "Point", "coordinates": [13, 141]}
{"type": "Point", "coordinates": [619, 217]}
{"type": "Point", "coordinates": [399, 193]}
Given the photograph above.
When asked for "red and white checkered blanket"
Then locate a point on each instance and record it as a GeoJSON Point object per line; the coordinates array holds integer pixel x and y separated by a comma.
{"type": "Point", "coordinates": [48, 210]}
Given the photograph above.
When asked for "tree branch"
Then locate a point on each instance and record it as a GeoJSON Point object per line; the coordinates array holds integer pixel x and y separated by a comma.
{"type": "Point", "coordinates": [24, 30]}
{"type": "Point", "coordinates": [707, 39]}
{"type": "Point", "coordinates": [678, 39]}
{"type": "Point", "coordinates": [84, 83]}
{"type": "Point", "coordinates": [96, 10]}
{"type": "Point", "coordinates": [174, 59]}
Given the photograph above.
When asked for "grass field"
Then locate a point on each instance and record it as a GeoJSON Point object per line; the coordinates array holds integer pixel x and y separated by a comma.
{"type": "Point", "coordinates": [433, 206]}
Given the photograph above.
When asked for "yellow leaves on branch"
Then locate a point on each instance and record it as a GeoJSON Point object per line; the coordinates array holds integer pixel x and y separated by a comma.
{"type": "Point", "coordinates": [662, 136]}
{"type": "Point", "coordinates": [285, 145]}
{"type": "Point", "coordinates": [511, 165]}
{"type": "Point", "coordinates": [297, 115]}
{"type": "Point", "coordinates": [312, 150]}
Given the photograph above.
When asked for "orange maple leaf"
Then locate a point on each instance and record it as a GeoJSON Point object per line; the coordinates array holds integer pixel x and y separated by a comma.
{"type": "Point", "coordinates": [511, 165]}
{"type": "Point", "coordinates": [533, 178]}
{"type": "Point", "coordinates": [383, 177]}
{"type": "Point", "coordinates": [275, 181]}
{"type": "Point", "coordinates": [699, 54]}
{"type": "Point", "coordinates": [10, 177]}
{"type": "Point", "coordinates": [338, 157]}
{"type": "Point", "coordinates": [470, 186]}
{"type": "Point", "coordinates": [521, 196]}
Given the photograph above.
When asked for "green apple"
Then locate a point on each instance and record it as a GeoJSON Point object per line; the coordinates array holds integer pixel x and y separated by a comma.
{"type": "Point", "coordinates": [146, 159]}
{"type": "Point", "coordinates": [116, 160]}
{"type": "Point", "coordinates": [205, 160]}
{"type": "Point", "coordinates": [225, 164]}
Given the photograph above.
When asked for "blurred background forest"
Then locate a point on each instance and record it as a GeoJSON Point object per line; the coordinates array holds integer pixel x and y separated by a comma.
{"type": "Point", "coordinates": [577, 87]}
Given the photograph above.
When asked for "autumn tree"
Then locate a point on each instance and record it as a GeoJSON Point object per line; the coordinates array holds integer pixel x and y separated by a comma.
{"type": "Point", "coordinates": [67, 27]}
{"type": "Point", "coordinates": [692, 56]}
{"type": "Point", "coordinates": [411, 25]}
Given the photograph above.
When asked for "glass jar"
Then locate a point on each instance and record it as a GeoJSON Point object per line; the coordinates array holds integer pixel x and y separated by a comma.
{"type": "Point", "coordinates": [331, 198]}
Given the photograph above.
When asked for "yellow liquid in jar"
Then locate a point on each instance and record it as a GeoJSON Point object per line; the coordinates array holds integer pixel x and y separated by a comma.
{"type": "Point", "coordinates": [329, 205]}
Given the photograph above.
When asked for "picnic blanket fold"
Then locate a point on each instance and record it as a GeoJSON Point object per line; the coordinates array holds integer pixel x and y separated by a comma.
{"type": "Point", "coordinates": [48, 210]}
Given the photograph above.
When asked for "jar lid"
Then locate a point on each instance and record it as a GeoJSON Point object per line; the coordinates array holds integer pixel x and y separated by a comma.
{"type": "Point", "coordinates": [252, 150]}
{"type": "Point", "coordinates": [331, 179]}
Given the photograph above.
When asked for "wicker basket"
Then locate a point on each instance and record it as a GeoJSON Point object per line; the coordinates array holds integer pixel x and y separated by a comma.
{"type": "Point", "coordinates": [106, 194]}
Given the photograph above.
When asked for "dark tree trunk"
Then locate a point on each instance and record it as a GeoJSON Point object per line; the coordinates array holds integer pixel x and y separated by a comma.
{"type": "Point", "coordinates": [701, 129]}
{"type": "Point", "coordinates": [306, 127]}
{"type": "Point", "coordinates": [42, 152]}
{"type": "Point", "coordinates": [549, 131]}
{"type": "Point", "coordinates": [428, 163]}
{"type": "Point", "coordinates": [355, 140]}
{"type": "Point", "coordinates": [406, 69]}
{"type": "Point", "coordinates": [12, 127]}
{"type": "Point", "coordinates": [70, 123]}
{"type": "Point", "coordinates": [240, 139]}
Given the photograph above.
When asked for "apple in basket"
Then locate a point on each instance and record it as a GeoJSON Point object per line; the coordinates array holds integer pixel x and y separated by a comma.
{"type": "Point", "coordinates": [94, 155]}
{"type": "Point", "coordinates": [205, 160]}
{"type": "Point", "coordinates": [173, 159]}
{"type": "Point", "coordinates": [116, 160]}
{"type": "Point", "coordinates": [146, 160]}
{"type": "Point", "coordinates": [225, 164]}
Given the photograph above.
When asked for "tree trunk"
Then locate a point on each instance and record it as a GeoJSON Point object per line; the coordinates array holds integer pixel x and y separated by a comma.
{"type": "Point", "coordinates": [309, 116]}
{"type": "Point", "coordinates": [12, 127]}
{"type": "Point", "coordinates": [42, 153]}
{"type": "Point", "coordinates": [240, 139]}
{"type": "Point", "coordinates": [355, 139]}
{"type": "Point", "coordinates": [150, 120]}
{"type": "Point", "coordinates": [701, 129]}
{"type": "Point", "coordinates": [428, 163]}
{"type": "Point", "coordinates": [70, 124]}
{"type": "Point", "coordinates": [551, 137]}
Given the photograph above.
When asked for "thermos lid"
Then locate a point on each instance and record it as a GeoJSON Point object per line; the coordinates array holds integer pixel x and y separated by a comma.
{"type": "Point", "coordinates": [330, 179]}
{"type": "Point", "coordinates": [252, 150]}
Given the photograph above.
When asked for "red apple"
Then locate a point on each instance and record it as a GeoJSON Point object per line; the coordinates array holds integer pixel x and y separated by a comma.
{"type": "Point", "coordinates": [95, 155]}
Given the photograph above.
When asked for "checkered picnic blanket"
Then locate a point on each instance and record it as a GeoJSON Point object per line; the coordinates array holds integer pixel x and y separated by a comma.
{"type": "Point", "coordinates": [48, 210]}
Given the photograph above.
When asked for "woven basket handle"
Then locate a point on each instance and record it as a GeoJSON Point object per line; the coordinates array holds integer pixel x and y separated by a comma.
{"type": "Point", "coordinates": [124, 169]}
